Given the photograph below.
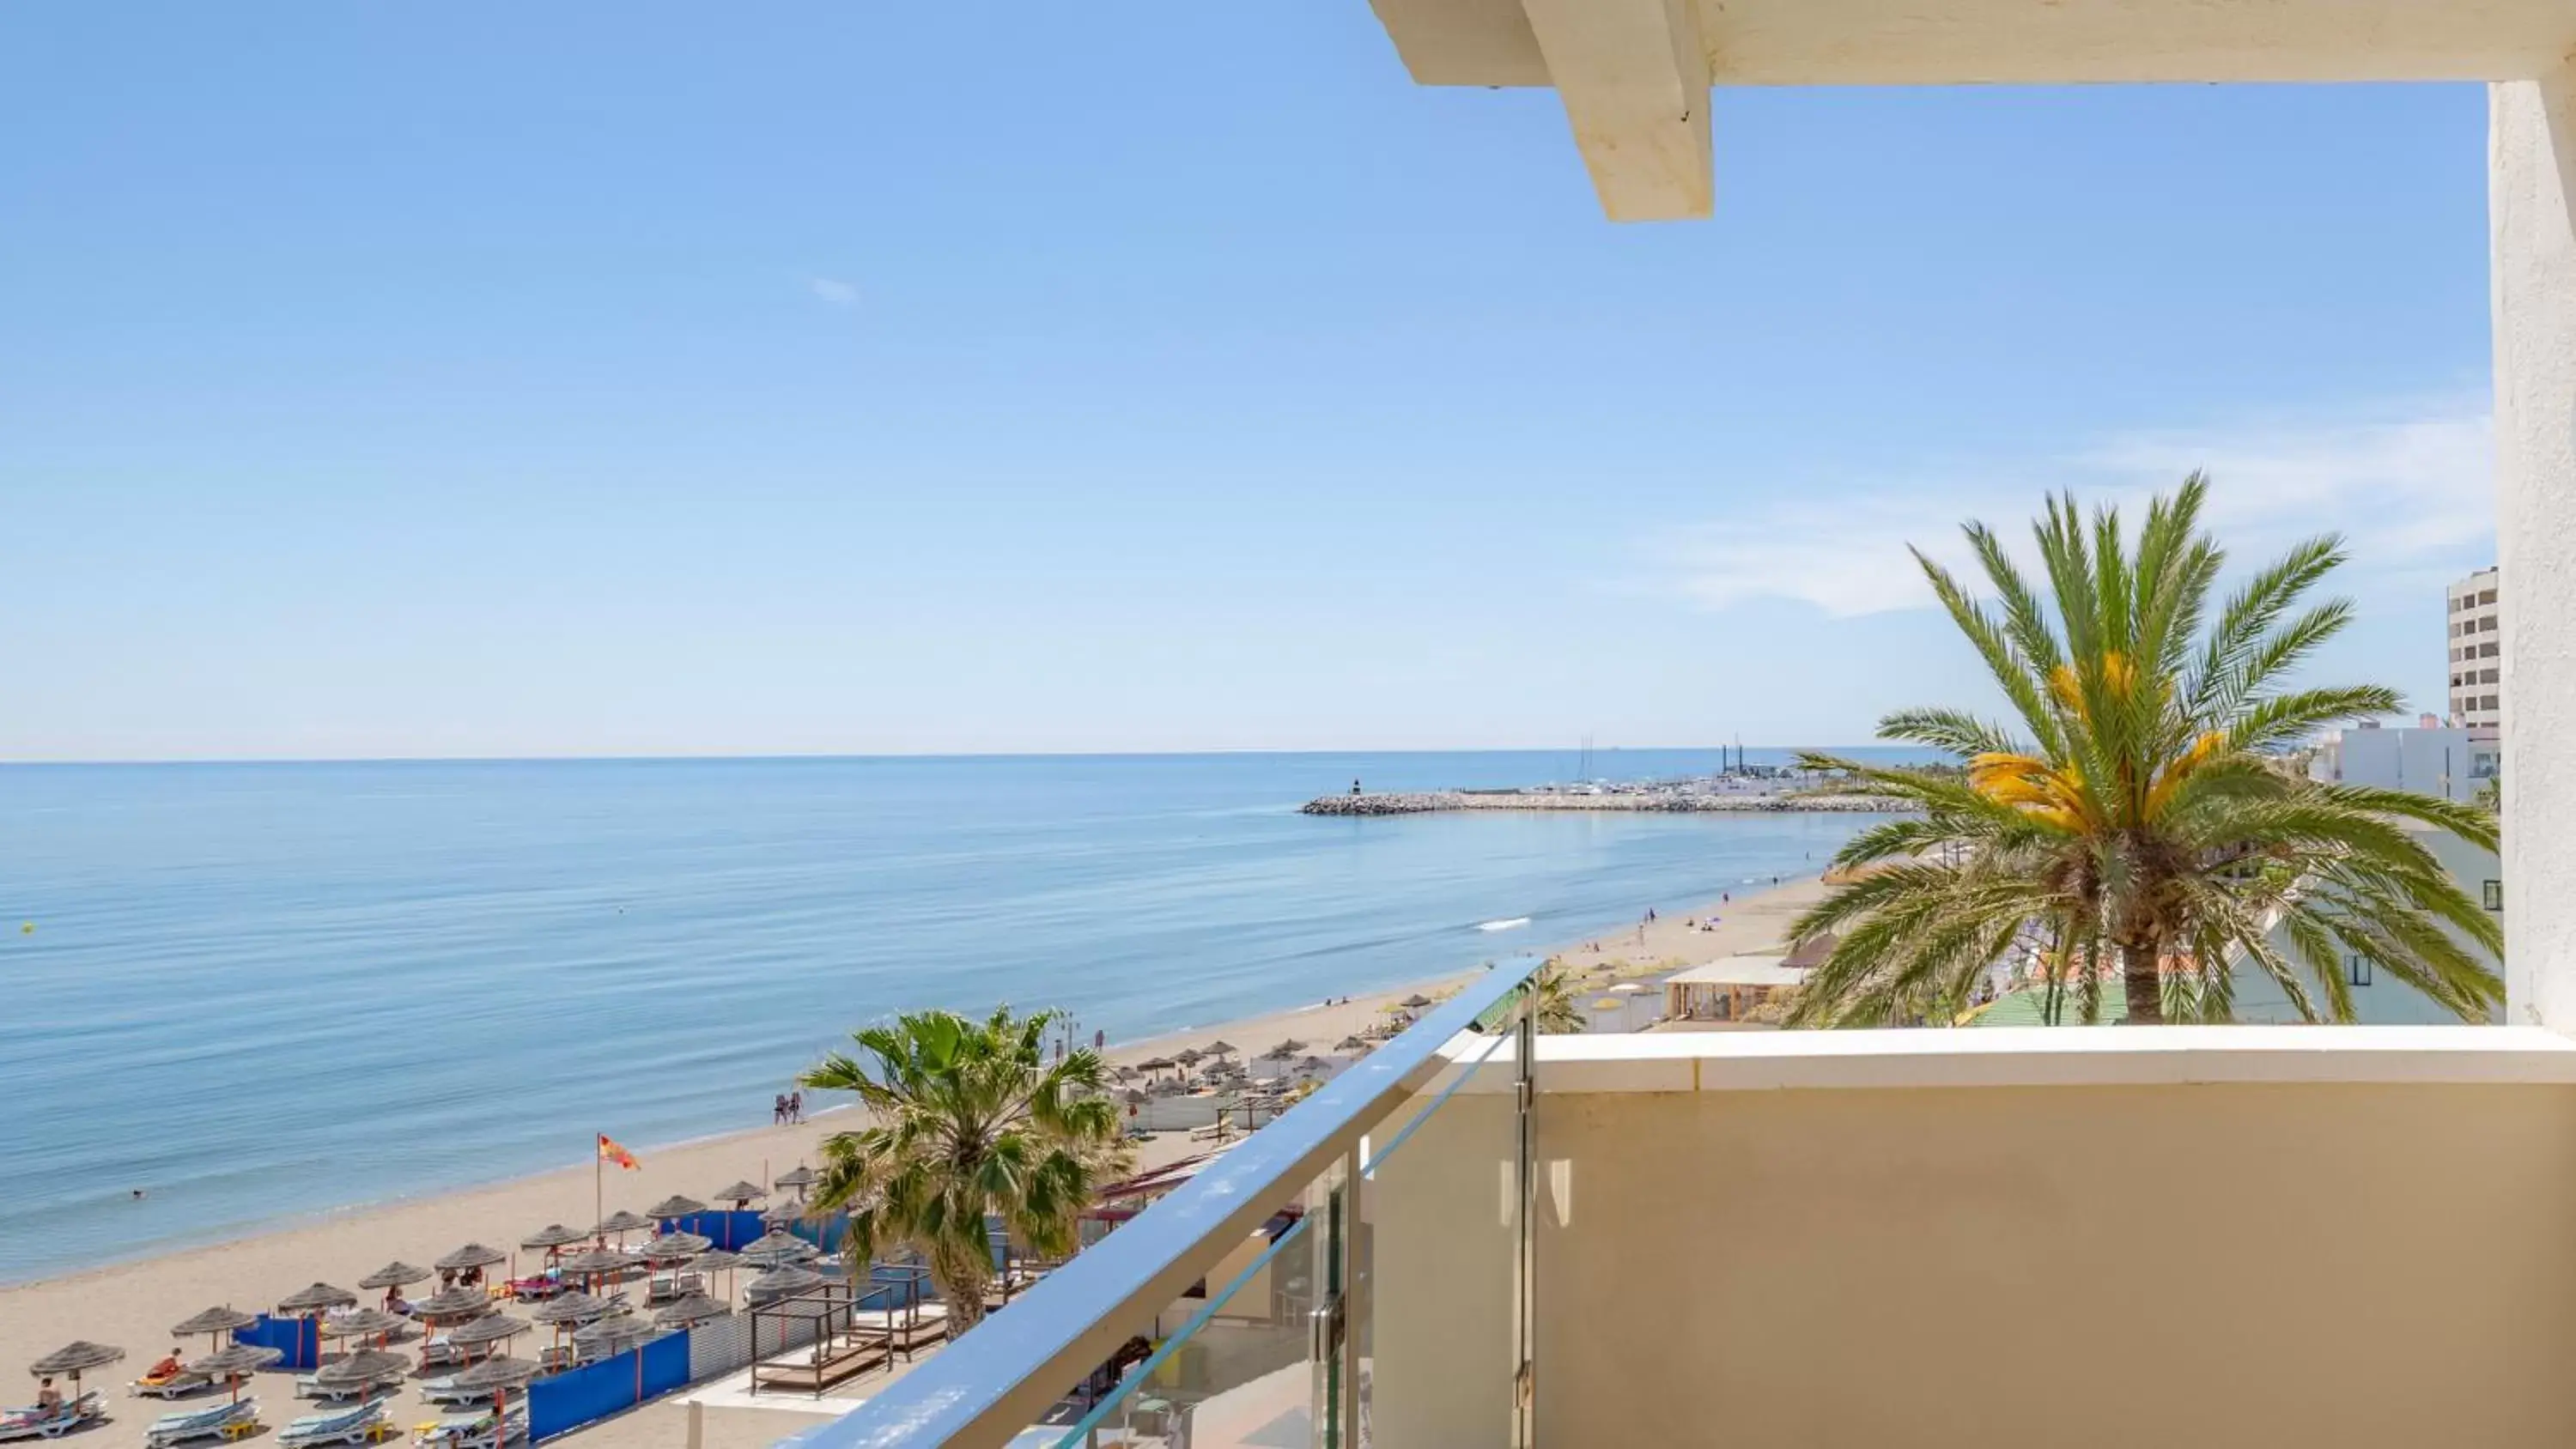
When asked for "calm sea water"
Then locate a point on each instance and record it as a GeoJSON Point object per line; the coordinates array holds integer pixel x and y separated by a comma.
{"type": "Point", "coordinates": [264, 990]}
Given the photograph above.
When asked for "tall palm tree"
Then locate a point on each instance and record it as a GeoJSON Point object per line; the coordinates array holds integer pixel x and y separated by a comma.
{"type": "Point", "coordinates": [2134, 815]}
{"type": "Point", "coordinates": [966, 1120]}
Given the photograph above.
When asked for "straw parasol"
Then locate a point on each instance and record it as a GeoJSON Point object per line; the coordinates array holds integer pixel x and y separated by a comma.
{"type": "Point", "coordinates": [214, 1322]}
{"type": "Point", "coordinates": [799, 1177]}
{"type": "Point", "coordinates": [1312, 1065]}
{"type": "Point", "coordinates": [597, 1263]}
{"type": "Point", "coordinates": [1350, 1044]}
{"type": "Point", "coordinates": [786, 1214]}
{"type": "Point", "coordinates": [1415, 1002]}
{"type": "Point", "coordinates": [396, 1274]}
{"type": "Point", "coordinates": [742, 1194]}
{"type": "Point", "coordinates": [76, 1358]}
{"type": "Point", "coordinates": [573, 1307]}
{"type": "Point", "coordinates": [782, 1280]}
{"type": "Point", "coordinates": [308, 1302]}
{"type": "Point", "coordinates": [1219, 1048]}
{"type": "Point", "coordinates": [619, 1224]}
{"type": "Point", "coordinates": [718, 1260]}
{"type": "Point", "coordinates": [778, 1249]}
{"type": "Point", "coordinates": [1189, 1057]}
{"type": "Point", "coordinates": [490, 1328]}
{"type": "Point", "coordinates": [454, 1303]}
{"type": "Point", "coordinates": [1155, 1064]}
{"type": "Point", "coordinates": [231, 1363]}
{"type": "Point", "coordinates": [694, 1308]}
{"type": "Point", "coordinates": [675, 1247]}
{"type": "Point", "coordinates": [551, 1237]}
{"type": "Point", "coordinates": [370, 1366]}
{"type": "Point", "coordinates": [365, 1323]}
{"type": "Point", "coordinates": [470, 1257]}
{"type": "Point", "coordinates": [675, 1206]}
{"type": "Point", "coordinates": [498, 1373]}
{"type": "Point", "coordinates": [612, 1335]}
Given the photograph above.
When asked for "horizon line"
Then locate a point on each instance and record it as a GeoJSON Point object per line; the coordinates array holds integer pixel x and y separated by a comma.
{"type": "Point", "coordinates": [808, 756]}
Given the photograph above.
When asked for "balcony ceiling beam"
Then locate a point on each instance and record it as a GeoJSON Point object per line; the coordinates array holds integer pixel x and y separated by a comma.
{"type": "Point", "coordinates": [1634, 76]}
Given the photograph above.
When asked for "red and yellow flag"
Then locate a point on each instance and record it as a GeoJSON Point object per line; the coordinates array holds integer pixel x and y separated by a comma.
{"type": "Point", "coordinates": [609, 1151]}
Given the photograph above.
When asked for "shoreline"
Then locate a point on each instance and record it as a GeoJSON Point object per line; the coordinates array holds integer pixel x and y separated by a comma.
{"type": "Point", "coordinates": [130, 1301]}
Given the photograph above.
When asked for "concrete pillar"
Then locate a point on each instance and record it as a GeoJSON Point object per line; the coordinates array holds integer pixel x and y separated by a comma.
{"type": "Point", "coordinates": [2531, 179]}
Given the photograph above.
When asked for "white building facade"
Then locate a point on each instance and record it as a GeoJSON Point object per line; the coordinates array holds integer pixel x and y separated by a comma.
{"type": "Point", "coordinates": [2476, 649]}
{"type": "Point", "coordinates": [2452, 763]}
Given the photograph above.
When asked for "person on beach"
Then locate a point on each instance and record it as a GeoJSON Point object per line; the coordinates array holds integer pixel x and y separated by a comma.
{"type": "Point", "coordinates": [778, 1110]}
{"type": "Point", "coordinates": [167, 1368]}
{"type": "Point", "coordinates": [48, 1397]}
{"type": "Point", "coordinates": [796, 1107]}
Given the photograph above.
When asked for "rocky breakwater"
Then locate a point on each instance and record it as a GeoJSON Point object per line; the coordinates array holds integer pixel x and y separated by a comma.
{"type": "Point", "coordinates": [1427, 802]}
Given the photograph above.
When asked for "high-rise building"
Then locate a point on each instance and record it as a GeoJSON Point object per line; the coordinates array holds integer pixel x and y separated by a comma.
{"type": "Point", "coordinates": [2476, 650]}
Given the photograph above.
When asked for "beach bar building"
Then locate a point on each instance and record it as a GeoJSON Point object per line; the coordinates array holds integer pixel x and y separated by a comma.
{"type": "Point", "coordinates": [1491, 1218]}
{"type": "Point", "coordinates": [1725, 990]}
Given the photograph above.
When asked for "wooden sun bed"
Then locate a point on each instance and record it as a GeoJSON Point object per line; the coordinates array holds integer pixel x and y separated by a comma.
{"type": "Point", "coordinates": [905, 1330]}
{"type": "Point", "coordinates": [841, 1362]}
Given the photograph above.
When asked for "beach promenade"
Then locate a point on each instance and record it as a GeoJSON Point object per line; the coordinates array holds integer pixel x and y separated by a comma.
{"type": "Point", "coordinates": [133, 1304]}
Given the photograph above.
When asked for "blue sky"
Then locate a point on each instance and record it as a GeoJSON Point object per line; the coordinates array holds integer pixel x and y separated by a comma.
{"type": "Point", "coordinates": [651, 378]}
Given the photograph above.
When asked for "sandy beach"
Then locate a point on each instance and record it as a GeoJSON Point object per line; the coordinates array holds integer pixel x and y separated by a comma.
{"type": "Point", "coordinates": [132, 1304]}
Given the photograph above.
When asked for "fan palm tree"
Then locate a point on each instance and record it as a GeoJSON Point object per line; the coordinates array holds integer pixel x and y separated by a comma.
{"type": "Point", "coordinates": [2134, 817]}
{"type": "Point", "coordinates": [967, 1120]}
{"type": "Point", "coordinates": [1556, 1001]}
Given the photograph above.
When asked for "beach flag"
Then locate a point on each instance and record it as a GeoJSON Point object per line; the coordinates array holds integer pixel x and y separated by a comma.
{"type": "Point", "coordinates": [609, 1151]}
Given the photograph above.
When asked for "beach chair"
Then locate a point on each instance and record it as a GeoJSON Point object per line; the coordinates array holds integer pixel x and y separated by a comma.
{"type": "Point", "coordinates": [225, 1421]}
{"type": "Point", "coordinates": [439, 1351]}
{"type": "Point", "coordinates": [340, 1426]}
{"type": "Point", "coordinates": [170, 1386]}
{"type": "Point", "coordinates": [35, 1423]}
{"type": "Point", "coordinates": [443, 1390]}
{"type": "Point", "coordinates": [308, 1387]}
{"type": "Point", "coordinates": [485, 1430]}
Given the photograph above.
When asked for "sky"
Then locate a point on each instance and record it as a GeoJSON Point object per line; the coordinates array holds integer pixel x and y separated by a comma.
{"type": "Point", "coordinates": [656, 378]}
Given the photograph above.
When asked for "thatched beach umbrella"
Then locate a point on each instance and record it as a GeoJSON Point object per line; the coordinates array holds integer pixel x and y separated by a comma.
{"type": "Point", "coordinates": [742, 1194]}
{"type": "Point", "coordinates": [362, 1369]}
{"type": "Point", "coordinates": [572, 1308]}
{"type": "Point", "coordinates": [780, 1281]}
{"type": "Point", "coordinates": [1311, 1065]}
{"type": "Point", "coordinates": [396, 1274]}
{"type": "Point", "coordinates": [232, 1363]}
{"type": "Point", "coordinates": [674, 1247]}
{"type": "Point", "coordinates": [785, 1215]}
{"type": "Point", "coordinates": [552, 1236]}
{"type": "Point", "coordinates": [214, 1323]}
{"type": "Point", "coordinates": [614, 1335]}
{"type": "Point", "coordinates": [776, 1248]}
{"type": "Point", "coordinates": [799, 1178]}
{"type": "Point", "coordinates": [719, 1261]}
{"type": "Point", "coordinates": [596, 1264]}
{"type": "Point", "coordinates": [1350, 1044]}
{"type": "Point", "coordinates": [490, 1328]}
{"type": "Point", "coordinates": [76, 1358]}
{"type": "Point", "coordinates": [316, 1300]}
{"type": "Point", "coordinates": [499, 1374]}
{"type": "Point", "coordinates": [619, 1224]}
{"type": "Point", "coordinates": [691, 1309]}
{"type": "Point", "coordinates": [1219, 1048]}
{"type": "Point", "coordinates": [471, 1256]}
{"type": "Point", "coordinates": [365, 1323]}
{"type": "Point", "coordinates": [675, 1206]}
{"type": "Point", "coordinates": [454, 1304]}
{"type": "Point", "coordinates": [1415, 1002]}
{"type": "Point", "coordinates": [1189, 1057]}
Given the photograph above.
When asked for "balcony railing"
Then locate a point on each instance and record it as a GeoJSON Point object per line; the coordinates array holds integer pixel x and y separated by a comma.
{"type": "Point", "coordinates": [1239, 1309]}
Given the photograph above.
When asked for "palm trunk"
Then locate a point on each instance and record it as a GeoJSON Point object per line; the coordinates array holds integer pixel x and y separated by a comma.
{"type": "Point", "coordinates": [961, 1286]}
{"type": "Point", "coordinates": [2142, 982]}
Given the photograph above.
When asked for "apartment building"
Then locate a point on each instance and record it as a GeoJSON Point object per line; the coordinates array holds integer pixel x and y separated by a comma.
{"type": "Point", "coordinates": [2476, 652]}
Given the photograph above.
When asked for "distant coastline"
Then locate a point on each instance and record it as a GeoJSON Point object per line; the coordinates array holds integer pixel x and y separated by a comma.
{"type": "Point", "coordinates": [1680, 797]}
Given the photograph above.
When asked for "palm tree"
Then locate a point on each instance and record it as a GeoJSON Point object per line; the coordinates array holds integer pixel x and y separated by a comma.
{"type": "Point", "coordinates": [967, 1120]}
{"type": "Point", "coordinates": [1556, 1006]}
{"type": "Point", "coordinates": [2135, 816]}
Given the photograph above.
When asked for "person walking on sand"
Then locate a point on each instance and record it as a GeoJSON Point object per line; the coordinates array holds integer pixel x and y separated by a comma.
{"type": "Point", "coordinates": [778, 1110]}
{"type": "Point", "coordinates": [796, 1108]}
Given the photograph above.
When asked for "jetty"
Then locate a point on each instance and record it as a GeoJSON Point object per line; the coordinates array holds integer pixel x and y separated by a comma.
{"type": "Point", "coordinates": [1699, 796]}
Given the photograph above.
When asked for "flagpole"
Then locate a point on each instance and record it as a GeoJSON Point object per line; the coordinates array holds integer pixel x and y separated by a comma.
{"type": "Point", "coordinates": [598, 1187]}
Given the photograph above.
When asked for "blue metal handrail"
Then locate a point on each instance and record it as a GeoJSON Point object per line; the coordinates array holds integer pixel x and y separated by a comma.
{"type": "Point", "coordinates": [993, 1383]}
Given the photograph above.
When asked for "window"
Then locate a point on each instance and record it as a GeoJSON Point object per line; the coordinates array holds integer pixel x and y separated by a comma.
{"type": "Point", "coordinates": [2487, 624]}
{"type": "Point", "coordinates": [2486, 651]}
{"type": "Point", "coordinates": [2493, 895]}
{"type": "Point", "coordinates": [2357, 970]}
{"type": "Point", "coordinates": [2486, 701]}
{"type": "Point", "coordinates": [2486, 596]}
{"type": "Point", "coordinates": [2486, 676]}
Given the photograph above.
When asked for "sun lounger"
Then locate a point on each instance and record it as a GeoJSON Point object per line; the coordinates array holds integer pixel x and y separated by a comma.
{"type": "Point", "coordinates": [170, 1386]}
{"type": "Point", "coordinates": [307, 1387]}
{"type": "Point", "coordinates": [341, 1426]}
{"type": "Point", "coordinates": [215, 1421]}
{"type": "Point", "coordinates": [444, 1391]}
{"type": "Point", "coordinates": [35, 1423]}
{"type": "Point", "coordinates": [538, 1288]}
{"type": "Point", "coordinates": [439, 1351]}
{"type": "Point", "coordinates": [473, 1431]}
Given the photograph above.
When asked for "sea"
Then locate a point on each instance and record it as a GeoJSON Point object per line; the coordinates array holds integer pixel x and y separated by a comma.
{"type": "Point", "coordinates": [261, 991]}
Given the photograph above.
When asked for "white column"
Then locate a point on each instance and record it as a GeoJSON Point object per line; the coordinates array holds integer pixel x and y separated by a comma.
{"type": "Point", "coordinates": [2531, 178]}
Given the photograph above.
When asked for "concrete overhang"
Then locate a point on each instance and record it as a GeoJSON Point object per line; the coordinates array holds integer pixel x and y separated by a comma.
{"type": "Point", "coordinates": [1634, 74]}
